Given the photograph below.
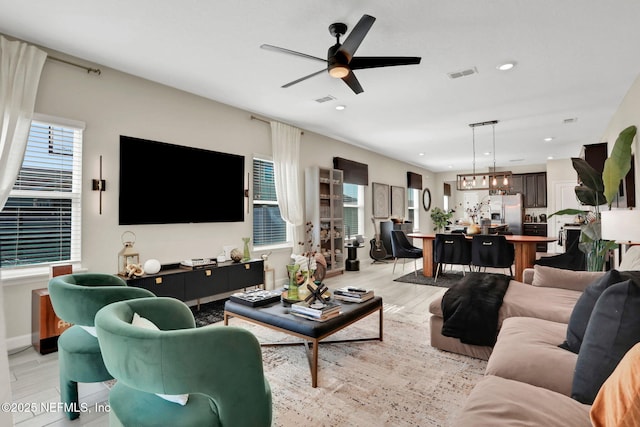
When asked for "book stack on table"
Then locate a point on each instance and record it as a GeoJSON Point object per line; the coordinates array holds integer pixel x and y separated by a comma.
{"type": "Point", "coordinates": [317, 311]}
{"type": "Point", "coordinates": [352, 294]}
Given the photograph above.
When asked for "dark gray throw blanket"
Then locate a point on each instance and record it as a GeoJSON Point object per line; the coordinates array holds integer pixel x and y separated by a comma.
{"type": "Point", "coordinates": [470, 308]}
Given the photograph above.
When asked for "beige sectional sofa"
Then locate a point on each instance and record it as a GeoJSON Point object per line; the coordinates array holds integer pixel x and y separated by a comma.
{"type": "Point", "coordinates": [528, 379]}
{"type": "Point", "coordinates": [550, 295]}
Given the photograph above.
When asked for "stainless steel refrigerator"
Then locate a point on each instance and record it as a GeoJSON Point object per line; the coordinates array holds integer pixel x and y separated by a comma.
{"type": "Point", "coordinates": [511, 209]}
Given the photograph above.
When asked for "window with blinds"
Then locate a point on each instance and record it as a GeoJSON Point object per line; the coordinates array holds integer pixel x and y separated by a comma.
{"type": "Point", "coordinates": [268, 226]}
{"type": "Point", "coordinates": [413, 204]}
{"type": "Point", "coordinates": [353, 209]}
{"type": "Point", "coordinates": [40, 223]}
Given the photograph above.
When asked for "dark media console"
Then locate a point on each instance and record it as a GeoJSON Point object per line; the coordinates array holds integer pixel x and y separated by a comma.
{"type": "Point", "coordinates": [187, 284]}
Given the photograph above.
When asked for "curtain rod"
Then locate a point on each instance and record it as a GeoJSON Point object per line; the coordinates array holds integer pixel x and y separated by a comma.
{"type": "Point", "coordinates": [88, 69]}
{"type": "Point", "coordinates": [266, 121]}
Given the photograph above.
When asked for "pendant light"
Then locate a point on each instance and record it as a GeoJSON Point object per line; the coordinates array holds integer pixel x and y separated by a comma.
{"type": "Point", "coordinates": [473, 136]}
{"type": "Point", "coordinates": [495, 180]}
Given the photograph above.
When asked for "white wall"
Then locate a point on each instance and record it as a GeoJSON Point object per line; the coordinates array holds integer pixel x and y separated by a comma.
{"type": "Point", "coordinates": [628, 114]}
{"type": "Point", "coordinates": [115, 104]}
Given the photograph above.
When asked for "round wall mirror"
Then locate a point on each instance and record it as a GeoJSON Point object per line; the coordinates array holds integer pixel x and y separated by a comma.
{"type": "Point", "coordinates": [426, 199]}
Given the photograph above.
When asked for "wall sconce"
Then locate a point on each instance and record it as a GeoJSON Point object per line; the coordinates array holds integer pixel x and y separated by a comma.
{"type": "Point", "coordinates": [99, 185]}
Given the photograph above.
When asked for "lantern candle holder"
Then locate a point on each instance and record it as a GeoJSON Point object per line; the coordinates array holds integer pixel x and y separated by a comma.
{"type": "Point", "coordinates": [127, 254]}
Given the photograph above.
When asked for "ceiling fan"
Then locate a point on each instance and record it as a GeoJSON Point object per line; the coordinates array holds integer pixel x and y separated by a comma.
{"type": "Point", "coordinates": [340, 60]}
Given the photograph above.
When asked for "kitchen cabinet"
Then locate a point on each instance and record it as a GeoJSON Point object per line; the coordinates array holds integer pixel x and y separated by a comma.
{"type": "Point", "coordinates": [535, 190]}
{"type": "Point", "coordinates": [536, 229]}
{"type": "Point", "coordinates": [517, 184]}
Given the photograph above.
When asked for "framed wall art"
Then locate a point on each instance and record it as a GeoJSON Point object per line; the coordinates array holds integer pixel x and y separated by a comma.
{"type": "Point", "coordinates": [397, 201]}
{"type": "Point", "coordinates": [380, 200]}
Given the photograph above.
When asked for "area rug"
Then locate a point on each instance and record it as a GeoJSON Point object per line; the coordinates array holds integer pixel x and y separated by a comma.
{"type": "Point", "coordinates": [401, 381]}
{"type": "Point", "coordinates": [211, 312]}
{"type": "Point", "coordinates": [444, 280]}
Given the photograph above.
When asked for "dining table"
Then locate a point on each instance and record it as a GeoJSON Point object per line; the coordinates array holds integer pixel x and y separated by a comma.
{"type": "Point", "coordinates": [525, 251]}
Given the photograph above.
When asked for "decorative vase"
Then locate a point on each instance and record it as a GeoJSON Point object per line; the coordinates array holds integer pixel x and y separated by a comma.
{"type": "Point", "coordinates": [292, 292]}
{"type": "Point", "coordinates": [596, 257]}
{"type": "Point", "coordinates": [303, 290]}
{"type": "Point", "coordinates": [246, 254]}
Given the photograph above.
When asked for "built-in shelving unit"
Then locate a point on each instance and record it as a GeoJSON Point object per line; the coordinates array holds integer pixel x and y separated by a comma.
{"type": "Point", "coordinates": [324, 209]}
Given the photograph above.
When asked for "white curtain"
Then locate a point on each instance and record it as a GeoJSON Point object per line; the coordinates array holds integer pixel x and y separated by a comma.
{"type": "Point", "coordinates": [285, 147]}
{"type": "Point", "coordinates": [20, 69]}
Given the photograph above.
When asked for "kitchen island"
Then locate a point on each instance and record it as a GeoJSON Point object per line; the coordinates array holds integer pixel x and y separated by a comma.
{"type": "Point", "coordinates": [525, 251]}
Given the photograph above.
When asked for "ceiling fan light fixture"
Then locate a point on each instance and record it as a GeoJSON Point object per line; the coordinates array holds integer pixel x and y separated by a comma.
{"type": "Point", "coordinates": [339, 71]}
{"type": "Point", "coordinates": [506, 66]}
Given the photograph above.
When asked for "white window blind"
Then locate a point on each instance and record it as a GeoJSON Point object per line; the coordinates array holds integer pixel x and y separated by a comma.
{"type": "Point", "coordinates": [268, 226]}
{"type": "Point", "coordinates": [41, 221]}
{"type": "Point", "coordinates": [413, 198]}
{"type": "Point", "coordinates": [353, 205]}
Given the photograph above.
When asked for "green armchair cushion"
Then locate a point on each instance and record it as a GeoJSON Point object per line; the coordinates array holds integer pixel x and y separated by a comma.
{"type": "Point", "coordinates": [134, 408]}
{"type": "Point", "coordinates": [80, 356]}
{"type": "Point", "coordinates": [145, 323]}
{"type": "Point", "coordinates": [221, 363]}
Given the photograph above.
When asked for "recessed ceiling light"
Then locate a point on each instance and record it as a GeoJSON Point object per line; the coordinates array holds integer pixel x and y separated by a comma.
{"type": "Point", "coordinates": [486, 153]}
{"type": "Point", "coordinates": [340, 107]}
{"type": "Point", "coordinates": [550, 158]}
{"type": "Point", "coordinates": [450, 166]}
{"type": "Point", "coordinates": [420, 154]}
{"type": "Point", "coordinates": [549, 138]}
{"type": "Point", "coordinates": [506, 66]}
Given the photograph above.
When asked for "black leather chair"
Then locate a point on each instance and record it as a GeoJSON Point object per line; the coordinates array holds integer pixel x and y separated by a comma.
{"type": "Point", "coordinates": [401, 247]}
{"type": "Point", "coordinates": [453, 249]}
{"type": "Point", "coordinates": [492, 250]}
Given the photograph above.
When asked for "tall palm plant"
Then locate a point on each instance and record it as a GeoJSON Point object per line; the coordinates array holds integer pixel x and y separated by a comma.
{"type": "Point", "coordinates": [596, 190]}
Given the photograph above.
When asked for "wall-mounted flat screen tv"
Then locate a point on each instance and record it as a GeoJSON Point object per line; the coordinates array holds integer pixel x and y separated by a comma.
{"type": "Point", "coordinates": [163, 183]}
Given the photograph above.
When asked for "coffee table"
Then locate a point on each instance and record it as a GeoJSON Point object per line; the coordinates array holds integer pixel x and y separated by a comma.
{"type": "Point", "coordinates": [276, 316]}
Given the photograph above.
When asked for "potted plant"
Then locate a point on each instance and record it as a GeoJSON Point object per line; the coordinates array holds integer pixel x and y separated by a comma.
{"type": "Point", "coordinates": [441, 218]}
{"type": "Point", "coordinates": [596, 190]}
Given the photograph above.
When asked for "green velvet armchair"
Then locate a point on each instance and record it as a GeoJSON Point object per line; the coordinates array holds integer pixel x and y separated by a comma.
{"type": "Point", "coordinates": [76, 298]}
{"type": "Point", "coordinates": [220, 368]}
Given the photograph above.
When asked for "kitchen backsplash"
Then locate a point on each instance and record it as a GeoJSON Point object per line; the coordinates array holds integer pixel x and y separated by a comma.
{"type": "Point", "coordinates": [535, 212]}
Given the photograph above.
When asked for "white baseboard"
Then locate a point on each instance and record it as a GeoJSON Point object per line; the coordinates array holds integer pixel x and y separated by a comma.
{"type": "Point", "coordinates": [19, 342]}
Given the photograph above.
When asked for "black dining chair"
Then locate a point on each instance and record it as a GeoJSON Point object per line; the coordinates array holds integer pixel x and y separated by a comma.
{"type": "Point", "coordinates": [492, 250]}
{"type": "Point", "coordinates": [452, 249]}
{"type": "Point", "coordinates": [401, 247]}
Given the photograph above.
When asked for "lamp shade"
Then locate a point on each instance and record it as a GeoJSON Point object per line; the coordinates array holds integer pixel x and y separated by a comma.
{"type": "Point", "coordinates": [621, 225]}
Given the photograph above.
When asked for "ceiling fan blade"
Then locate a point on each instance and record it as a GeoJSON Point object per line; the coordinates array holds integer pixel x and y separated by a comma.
{"type": "Point", "coordinates": [324, 70]}
{"type": "Point", "coordinates": [355, 37]}
{"type": "Point", "coordinates": [353, 83]}
{"type": "Point", "coordinates": [360, 62]}
{"type": "Point", "coordinates": [291, 52]}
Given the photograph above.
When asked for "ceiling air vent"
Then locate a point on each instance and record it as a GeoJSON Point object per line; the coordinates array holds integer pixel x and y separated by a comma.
{"type": "Point", "coordinates": [463, 73]}
{"type": "Point", "coordinates": [325, 99]}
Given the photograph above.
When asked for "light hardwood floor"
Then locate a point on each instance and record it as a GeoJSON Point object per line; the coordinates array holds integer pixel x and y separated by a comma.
{"type": "Point", "coordinates": [35, 377]}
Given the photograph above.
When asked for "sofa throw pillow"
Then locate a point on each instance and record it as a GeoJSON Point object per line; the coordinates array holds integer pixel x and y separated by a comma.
{"type": "Point", "coordinates": [618, 401]}
{"type": "Point", "coordinates": [614, 327]}
{"type": "Point", "coordinates": [145, 323]}
{"type": "Point", "coordinates": [583, 308]}
{"type": "Point", "coordinates": [566, 279]}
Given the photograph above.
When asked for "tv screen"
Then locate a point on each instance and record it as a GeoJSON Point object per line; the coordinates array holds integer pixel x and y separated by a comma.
{"type": "Point", "coordinates": [164, 183]}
